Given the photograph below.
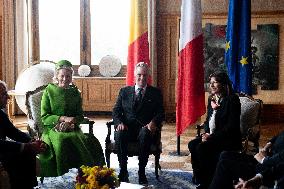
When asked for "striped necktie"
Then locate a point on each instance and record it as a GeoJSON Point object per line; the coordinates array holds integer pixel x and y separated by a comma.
{"type": "Point", "coordinates": [139, 96]}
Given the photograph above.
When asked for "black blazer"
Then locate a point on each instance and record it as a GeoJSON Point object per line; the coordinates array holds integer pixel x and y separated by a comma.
{"type": "Point", "coordinates": [7, 129]}
{"type": "Point", "coordinates": [274, 173]}
{"type": "Point", "coordinates": [227, 120]}
{"type": "Point", "coordinates": [151, 108]}
{"type": "Point", "coordinates": [277, 156]}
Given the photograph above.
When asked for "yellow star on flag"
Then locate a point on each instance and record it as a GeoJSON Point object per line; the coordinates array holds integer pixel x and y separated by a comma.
{"type": "Point", "coordinates": [244, 60]}
{"type": "Point", "coordinates": [227, 45]}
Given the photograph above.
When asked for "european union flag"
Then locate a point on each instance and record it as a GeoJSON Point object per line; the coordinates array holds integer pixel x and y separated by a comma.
{"type": "Point", "coordinates": [238, 46]}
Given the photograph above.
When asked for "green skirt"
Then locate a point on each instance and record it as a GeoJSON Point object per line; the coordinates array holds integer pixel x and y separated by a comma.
{"type": "Point", "coordinates": [69, 150]}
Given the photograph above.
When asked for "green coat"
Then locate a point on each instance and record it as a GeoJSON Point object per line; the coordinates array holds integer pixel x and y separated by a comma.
{"type": "Point", "coordinates": [65, 149]}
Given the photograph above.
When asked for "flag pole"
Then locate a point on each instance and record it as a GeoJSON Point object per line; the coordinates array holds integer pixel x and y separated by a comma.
{"type": "Point", "coordinates": [178, 145]}
{"type": "Point", "coordinates": [178, 152]}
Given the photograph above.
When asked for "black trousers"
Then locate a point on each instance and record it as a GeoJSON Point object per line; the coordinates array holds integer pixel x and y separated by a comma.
{"type": "Point", "coordinates": [204, 158]}
{"type": "Point", "coordinates": [145, 139]}
{"type": "Point", "coordinates": [231, 167]}
{"type": "Point", "coordinates": [21, 169]}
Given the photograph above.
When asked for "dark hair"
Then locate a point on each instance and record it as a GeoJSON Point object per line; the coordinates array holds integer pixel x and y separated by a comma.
{"type": "Point", "coordinates": [223, 78]}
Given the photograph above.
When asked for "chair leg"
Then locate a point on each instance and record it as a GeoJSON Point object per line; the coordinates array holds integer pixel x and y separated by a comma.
{"type": "Point", "coordinates": [41, 179]}
{"type": "Point", "coordinates": [157, 165]}
{"type": "Point", "coordinates": [107, 154]}
{"type": "Point", "coordinates": [256, 140]}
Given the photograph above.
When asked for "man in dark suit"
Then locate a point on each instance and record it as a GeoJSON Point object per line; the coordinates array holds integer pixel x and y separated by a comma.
{"type": "Point", "coordinates": [233, 165]}
{"type": "Point", "coordinates": [18, 156]}
{"type": "Point", "coordinates": [137, 114]}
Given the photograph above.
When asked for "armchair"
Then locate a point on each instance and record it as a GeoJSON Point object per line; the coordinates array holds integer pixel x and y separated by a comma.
{"type": "Point", "coordinates": [33, 101]}
{"type": "Point", "coordinates": [110, 147]}
{"type": "Point", "coordinates": [250, 121]}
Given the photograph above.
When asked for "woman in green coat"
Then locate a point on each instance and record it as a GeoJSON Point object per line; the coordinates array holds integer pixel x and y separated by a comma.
{"type": "Point", "coordinates": [61, 113]}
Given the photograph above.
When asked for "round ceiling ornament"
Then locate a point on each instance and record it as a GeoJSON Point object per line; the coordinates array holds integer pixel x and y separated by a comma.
{"type": "Point", "coordinates": [110, 66]}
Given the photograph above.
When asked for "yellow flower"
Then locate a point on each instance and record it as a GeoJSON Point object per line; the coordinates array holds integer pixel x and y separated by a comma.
{"type": "Point", "coordinates": [96, 178]}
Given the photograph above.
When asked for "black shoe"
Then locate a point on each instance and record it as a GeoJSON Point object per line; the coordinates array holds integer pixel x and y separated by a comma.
{"type": "Point", "coordinates": [123, 177]}
{"type": "Point", "coordinates": [142, 178]}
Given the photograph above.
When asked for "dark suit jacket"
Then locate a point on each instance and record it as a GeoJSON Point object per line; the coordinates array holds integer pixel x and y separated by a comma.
{"type": "Point", "coordinates": [274, 173]}
{"type": "Point", "coordinates": [272, 167]}
{"type": "Point", "coordinates": [151, 107]}
{"type": "Point", "coordinates": [227, 122]}
{"type": "Point", "coordinates": [7, 129]}
{"type": "Point", "coordinates": [277, 151]}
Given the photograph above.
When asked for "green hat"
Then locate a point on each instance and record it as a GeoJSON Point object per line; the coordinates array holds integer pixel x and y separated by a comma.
{"type": "Point", "coordinates": [63, 64]}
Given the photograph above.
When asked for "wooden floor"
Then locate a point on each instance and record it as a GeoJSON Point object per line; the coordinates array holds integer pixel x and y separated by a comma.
{"type": "Point", "coordinates": [169, 158]}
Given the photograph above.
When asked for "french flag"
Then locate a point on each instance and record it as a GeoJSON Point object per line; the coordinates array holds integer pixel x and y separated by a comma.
{"type": "Point", "coordinates": [190, 85]}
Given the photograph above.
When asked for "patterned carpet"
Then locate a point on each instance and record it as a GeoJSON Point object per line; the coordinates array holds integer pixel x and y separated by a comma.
{"type": "Point", "coordinates": [176, 170]}
{"type": "Point", "coordinates": [175, 166]}
{"type": "Point", "coordinates": [169, 179]}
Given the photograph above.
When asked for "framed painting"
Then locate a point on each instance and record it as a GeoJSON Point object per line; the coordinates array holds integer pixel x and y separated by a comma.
{"type": "Point", "coordinates": [264, 49]}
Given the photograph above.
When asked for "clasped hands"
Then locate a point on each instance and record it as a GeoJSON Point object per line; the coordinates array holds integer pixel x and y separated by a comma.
{"type": "Point", "coordinates": [65, 124]}
{"type": "Point", "coordinates": [252, 183]}
{"type": "Point", "coordinates": [204, 136]}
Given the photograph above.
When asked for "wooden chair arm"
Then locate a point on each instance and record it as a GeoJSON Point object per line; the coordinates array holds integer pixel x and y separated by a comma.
{"type": "Point", "coordinates": [198, 130]}
{"type": "Point", "coordinates": [109, 124]}
{"type": "Point", "coordinates": [260, 110]}
{"type": "Point", "coordinates": [91, 124]}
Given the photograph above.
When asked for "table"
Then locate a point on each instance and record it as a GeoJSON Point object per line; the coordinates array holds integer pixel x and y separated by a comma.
{"type": "Point", "coordinates": [125, 185]}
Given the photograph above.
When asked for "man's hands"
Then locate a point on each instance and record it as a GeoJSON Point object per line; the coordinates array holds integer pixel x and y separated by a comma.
{"type": "Point", "coordinates": [267, 148]}
{"type": "Point", "coordinates": [252, 183]}
{"type": "Point", "coordinates": [121, 127]}
{"type": "Point", "coordinates": [259, 156]}
{"type": "Point", "coordinates": [35, 147]}
{"type": "Point", "coordinates": [151, 127]}
{"type": "Point", "coordinates": [263, 152]}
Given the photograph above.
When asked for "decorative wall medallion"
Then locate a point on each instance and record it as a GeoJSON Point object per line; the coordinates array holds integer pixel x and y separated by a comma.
{"type": "Point", "coordinates": [84, 70]}
{"type": "Point", "coordinates": [109, 66]}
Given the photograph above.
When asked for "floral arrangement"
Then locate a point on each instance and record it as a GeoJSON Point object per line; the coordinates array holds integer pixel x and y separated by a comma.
{"type": "Point", "coordinates": [96, 178]}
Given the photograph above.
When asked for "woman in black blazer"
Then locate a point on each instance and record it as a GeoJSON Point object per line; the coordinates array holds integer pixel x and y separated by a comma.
{"type": "Point", "coordinates": [222, 129]}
